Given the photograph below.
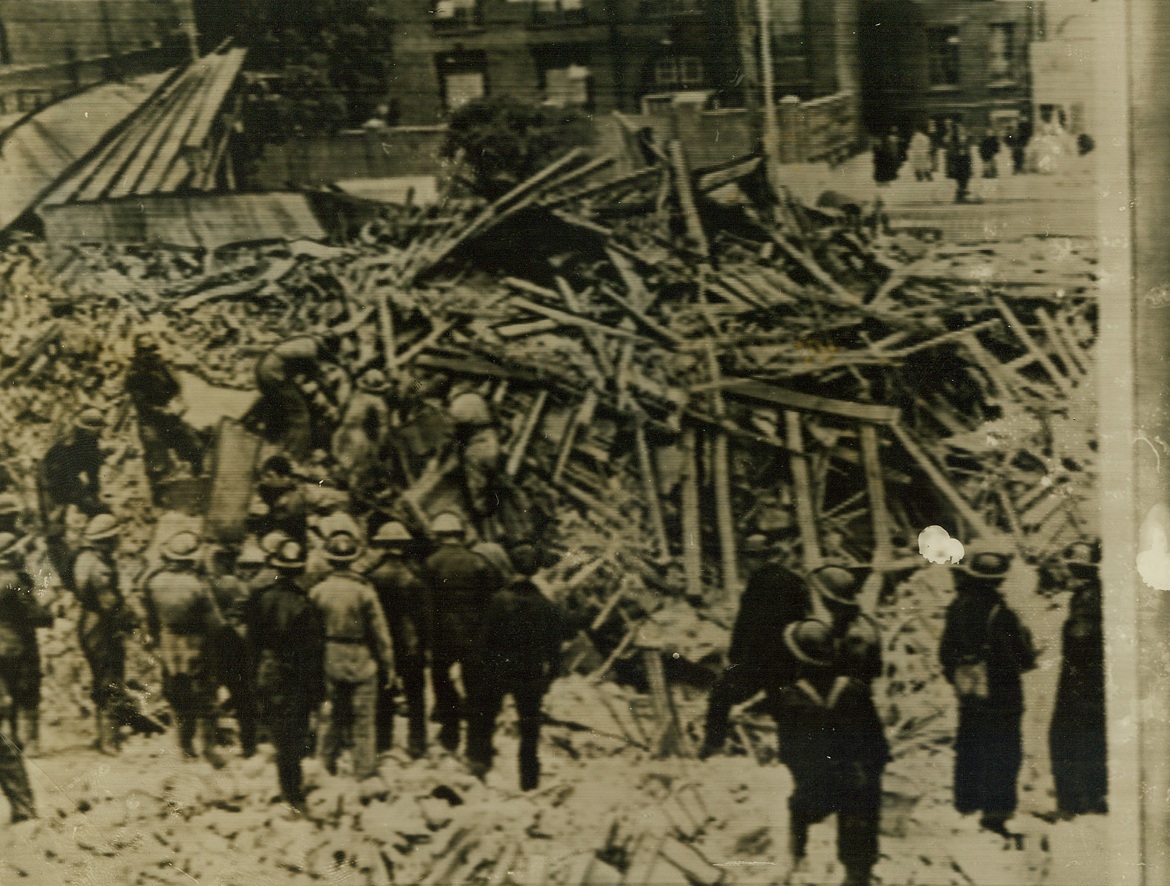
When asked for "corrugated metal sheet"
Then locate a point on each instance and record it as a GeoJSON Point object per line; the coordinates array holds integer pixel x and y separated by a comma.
{"type": "Point", "coordinates": [207, 221]}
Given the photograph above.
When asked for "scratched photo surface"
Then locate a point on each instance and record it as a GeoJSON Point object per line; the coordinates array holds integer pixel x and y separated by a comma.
{"type": "Point", "coordinates": [551, 441]}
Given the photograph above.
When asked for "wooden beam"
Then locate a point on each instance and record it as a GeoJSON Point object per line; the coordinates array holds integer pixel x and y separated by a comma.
{"type": "Point", "coordinates": [871, 460]}
{"type": "Point", "coordinates": [520, 444]}
{"type": "Point", "coordinates": [1056, 340]}
{"type": "Point", "coordinates": [692, 526]}
{"type": "Point", "coordinates": [650, 490]}
{"type": "Point", "coordinates": [1029, 343]}
{"type": "Point", "coordinates": [802, 489]}
{"type": "Point", "coordinates": [583, 415]}
{"type": "Point", "coordinates": [976, 522]}
{"type": "Point", "coordinates": [686, 198]}
{"type": "Point", "coordinates": [750, 389]}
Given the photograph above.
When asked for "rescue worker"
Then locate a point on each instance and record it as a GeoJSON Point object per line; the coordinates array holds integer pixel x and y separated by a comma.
{"type": "Point", "coordinates": [833, 743]}
{"type": "Point", "coordinates": [184, 621]}
{"type": "Point", "coordinates": [21, 613]}
{"type": "Point", "coordinates": [105, 621]}
{"type": "Point", "coordinates": [14, 617]}
{"type": "Point", "coordinates": [519, 652]}
{"type": "Point", "coordinates": [285, 413]}
{"type": "Point", "coordinates": [758, 660]}
{"type": "Point", "coordinates": [1076, 737]}
{"type": "Point", "coordinates": [70, 476]}
{"type": "Point", "coordinates": [403, 596]}
{"type": "Point", "coordinates": [232, 578]}
{"type": "Point", "coordinates": [287, 510]}
{"type": "Point", "coordinates": [157, 398]}
{"type": "Point", "coordinates": [363, 431]}
{"type": "Point", "coordinates": [478, 440]}
{"type": "Point", "coordinates": [461, 584]}
{"type": "Point", "coordinates": [287, 636]}
{"type": "Point", "coordinates": [856, 637]}
{"type": "Point", "coordinates": [983, 651]}
{"type": "Point", "coordinates": [357, 649]}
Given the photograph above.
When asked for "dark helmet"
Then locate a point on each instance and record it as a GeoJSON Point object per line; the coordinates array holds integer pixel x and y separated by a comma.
{"type": "Point", "coordinates": [288, 557]}
{"type": "Point", "coordinates": [836, 584]}
{"type": "Point", "coordinates": [810, 641]}
{"type": "Point", "coordinates": [987, 560]}
{"type": "Point", "coordinates": [342, 547]}
{"type": "Point", "coordinates": [525, 560]}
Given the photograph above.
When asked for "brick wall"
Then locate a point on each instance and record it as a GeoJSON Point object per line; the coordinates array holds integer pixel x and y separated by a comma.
{"type": "Point", "coordinates": [315, 162]}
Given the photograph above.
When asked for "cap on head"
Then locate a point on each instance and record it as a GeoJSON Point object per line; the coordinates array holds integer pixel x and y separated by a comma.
{"type": "Point", "coordinates": [987, 559]}
{"type": "Point", "coordinates": [390, 533]}
{"type": "Point", "coordinates": [755, 545]}
{"type": "Point", "coordinates": [810, 642]}
{"type": "Point", "coordinates": [288, 557]}
{"type": "Point", "coordinates": [102, 527]}
{"type": "Point", "coordinates": [447, 524]}
{"type": "Point", "coordinates": [9, 505]}
{"type": "Point", "coordinates": [342, 547]}
{"type": "Point", "coordinates": [89, 419]}
{"type": "Point", "coordinates": [836, 584]}
{"type": "Point", "coordinates": [251, 554]}
{"type": "Point", "coordinates": [182, 547]}
{"type": "Point", "coordinates": [495, 554]}
{"type": "Point", "coordinates": [145, 341]}
{"type": "Point", "coordinates": [373, 381]}
{"type": "Point", "coordinates": [525, 560]}
{"type": "Point", "coordinates": [271, 542]}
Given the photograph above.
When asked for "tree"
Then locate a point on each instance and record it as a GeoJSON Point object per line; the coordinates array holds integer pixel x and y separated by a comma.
{"type": "Point", "coordinates": [503, 141]}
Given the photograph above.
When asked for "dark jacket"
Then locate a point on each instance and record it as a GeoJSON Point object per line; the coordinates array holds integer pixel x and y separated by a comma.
{"type": "Point", "coordinates": [521, 634]}
{"type": "Point", "coordinates": [150, 383]}
{"type": "Point", "coordinates": [287, 634]}
{"type": "Point", "coordinates": [857, 643]}
{"type": "Point", "coordinates": [404, 600]}
{"type": "Point", "coordinates": [1080, 694]}
{"type": "Point", "coordinates": [773, 599]}
{"type": "Point", "coordinates": [71, 474]}
{"type": "Point", "coordinates": [20, 616]}
{"type": "Point", "coordinates": [970, 625]}
{"type": "Point", "coordinates": [288, 511]}
{"type": "Point", "coordinates": [461, 583]}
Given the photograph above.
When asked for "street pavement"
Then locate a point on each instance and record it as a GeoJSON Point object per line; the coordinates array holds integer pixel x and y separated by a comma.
{"type": "Point", "coordinates": [1058, 204]}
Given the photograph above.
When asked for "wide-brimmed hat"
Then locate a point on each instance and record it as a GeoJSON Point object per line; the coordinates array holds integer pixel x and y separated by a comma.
{"type": "Point", "coordinates": [810, 641]}
{"type": "Point", "coordinates": [102, 527]}
{"type": "Point", "coordinates": [289, 557]}
{"type": "Point", "coordinates": [89, 419]}
{"type": "Point", "coordinates": [836, 584]}
{"type": "Point", "coordinates": [373, 381]}
{"type": "Point", "coordinates": [987, 560]}
{"type": "Point", "coordinates": [251, 554]}
{"type": "Point", "coordinates": [447, 523]}
{"type": "Point", "coordinates": [391, 532]}
{"type": "Point", "coordinates": [182, 547]}
{"type": "Point", "coordinates": [342, 547]}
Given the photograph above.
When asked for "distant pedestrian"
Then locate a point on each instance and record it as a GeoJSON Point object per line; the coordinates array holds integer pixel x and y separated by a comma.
{"type": "Point", "coordinates": [937, 143]}
{"type": "Point", "coordinates": [887, 158]}
{"type": "Point", "coordinates": [920, 156]}
{"type": "Point", "coordinates": [287, 635]}
{"type": "Point", "coordinates": [988, 152]}
{"type": "Point", "coordinates": [960, 163]}
{"type": "Point", "coordinates": [984, 650]}
{"type": "Point", "coordinates": [519, 653]}
{"type": "Point", "coordinates": [1076, 738]}
{"type": "Point", "coordinates": [357, 650]}
{"type": "Point", "coordinates": [833, 743]}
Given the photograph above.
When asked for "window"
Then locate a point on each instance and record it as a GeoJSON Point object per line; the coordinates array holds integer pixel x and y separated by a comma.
{"type": "Point", "coordinates": [679, 72]}
{"type": "Point", "coordinates": [567, 87]}
{"type": "Point", "coordinates": [1001, 52]}
{"type": "Point", "coordinates": [944, 56]}
{"type": "Point", "coordinates": [462, 77]}
{"type": "Point", "coordinates": [456, 12]}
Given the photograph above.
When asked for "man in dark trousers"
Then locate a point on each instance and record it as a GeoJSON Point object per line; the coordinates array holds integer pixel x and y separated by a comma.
{"type": "Point", "coordinates": [14, 617]}
{"type": "Point", "coordinates": [357, 651]}
{"type": "Point", "coordinates": [1076, 738]}
{"type": "Point", "coordinates": [156, 395]}
{"type": "Point", "coordinates": [287, 635]}
{"type": "Point", "coordinates": [105, 621]}
{"type": "Point", "coordinates": [404, 600]}
{"type": "Point", "coordinates": [857, 643]}
{"type": "Point", "coordinates": [232, 572]}
{"type": "Point", "coordinates": [21, 613]}
{"type": "Point", "coordinates": [833, 743]}
{"type": "Point", "coordinates": [519, 652]}
{"type": "Point", "coordinates": [984, 650]}
{"type": "Point", "coordinates": [70, 475]}
{"type": "Point", "coordinates": [183, 620]}
{"type": "Point", "coordinates": [479, 447]}
{"type": "Point", "coordinates": [461, 584]}
{"type": "Point", "coordinates": [284, 413]}
{"type": "Point", "coordinates": [758, 660]}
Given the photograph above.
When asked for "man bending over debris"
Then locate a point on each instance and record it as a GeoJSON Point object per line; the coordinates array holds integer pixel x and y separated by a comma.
{"type": "Point", "coordinates": [519, 652]}
{"type": "Point", "coordinates": [774, 598]}
{"type": "Point", "coordinates": [479, 447]}
{"type": "Point", "coordinates": [284, 413]}
{"type": "Point", "coordinates": [70, 475]}
{"type": "Point", "coordinates": [833, 743]}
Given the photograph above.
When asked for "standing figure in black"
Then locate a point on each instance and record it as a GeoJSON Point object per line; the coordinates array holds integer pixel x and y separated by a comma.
{"type": "Point", "coordinates": [287, 635]}
{"type": "Point", "coordinates": [774, 598]}
{"type": "Point", "coordinates": [19, 613]}
{"type": "Point", "coordinates": [70, 475]}
{"type": "Point", "coordinates": [157, 398]}
{"type": "Point", "coordinates": [960, 162]}
{"type": "Point", "coordinates": [24, 676]}
{"type": "Point", "coordinates": [519, 653]}
{"type": "Point", "coordinates": [832, 742]}
{"type": "Point", "coordinates": [857, 643]}
{"type": "Point", "coordinates": [984, 650]}
{"type": "Point", "coordinates": [232, 573]}
{"type": "Point", "coordinates": [1076, 738]}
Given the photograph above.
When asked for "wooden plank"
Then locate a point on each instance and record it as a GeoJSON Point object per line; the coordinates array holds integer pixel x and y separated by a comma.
{"type": "Point", "coordinates": [650, 490]}
{"type": "Point", "coordinates": [526, 328]}
{"type": "Point", "coordinates": [232, 481]}
{"type": "Point", "coordinates": [976, 522]}
{"type": "Point", "coordinates": [595, 340]}
{"type": "Point", "coordinates": [617, 653]}
{"type": "Point", "coordinates": [1028, 342]}
{"type": "Point", "coordinates": [568, 319]}
{"type": "Point", "coordinates": [802, 490]}
{"type": "Point", "coordinates": [875, 485]}
{"type": "Point", "coordinates": [750, 389]}
{"type": "Point", "coordinates": [583, 415]}
{"type": "Point", "coordinates": [692, 527]}
{"type": "Point", "coordinates": [520, 444]}
{"type": "Point", "coordinates": [1057, 342]}
{"type": "Point", "coordinates": [651, 326]}
{"type": "Point", "coordinates": [386, 328]}
{"type": "Point", "coordinates": [691, 863]}
{"type": "Point", "coordinates": [686, 197]}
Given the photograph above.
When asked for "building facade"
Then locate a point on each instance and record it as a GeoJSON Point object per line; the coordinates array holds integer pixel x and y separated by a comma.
{"type": "Point", "coordinates": [964, 60]}
{"type": "Point", "coordinates": [607, 55]}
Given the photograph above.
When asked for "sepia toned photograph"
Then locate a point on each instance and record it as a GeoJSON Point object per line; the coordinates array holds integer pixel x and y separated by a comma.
{"type": "Point", "coordinates": [580, 442]}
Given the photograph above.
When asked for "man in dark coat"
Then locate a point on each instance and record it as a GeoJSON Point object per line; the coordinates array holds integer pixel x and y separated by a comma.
{"type": "Point", "coordinates": [833, 743]}
{"type": "Point", "coordinates": [23, 611]}
{"type": "Point", "coordinates": [461, 584]}
{"type": "Point", "coordinates": [960, 163]}
{"type": "Point", "coordinates": [984, 650]}
{"type": "Point", "coordinates": [14, 622]}
{"type": "Point", "coordinates": [404, 601]}
{"type": "Point", "coordinates": [519, 653]}
{"type": "Point", "coordinates": [285, 413]}
{"type": "Point", "coordinates": [70, 475]}
{"type": "Point", "coordinates": [287, 510]}
{"type": "Point", "coordinates": [232, 574]}
{"type": "Point", "coordinates": [1076, 738]}
{"type": "Point", "coordinates": [156, 394]}
{"type": "Point", "coordinates": [758, 660]}
{"type": "Point", "coordinates": [287, 635]}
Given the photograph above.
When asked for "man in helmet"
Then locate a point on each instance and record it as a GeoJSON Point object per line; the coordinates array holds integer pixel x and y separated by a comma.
{"type": "Point", "coordinates": [183, 619]}
{"type": "Point", "coordinates": [1076, 737]}
{"type": "Point", "coordinates": [22, 611]}
{"type": "Point", "coordinates": [19, 614]}
{"type": "Point", "coordinates": [105, 621]}
{"type": "Point", "coordinates": [856, 638]}
{"type": "Point", "coordinates": [157, 398]}
{"type": "Point", "coordinates": [232, 573]}
{"type": "Point", "coordinates": [403, 596]}
{"type": "Point", "coordinates": [983, 651]}
{"type": "Point", "coordinates": [287, 636]}
{"type": "Point", "coordinates": [774, 597]}
{"type": "Point", "coordinates": [364, 429]}
{"type": "Point", "coordinates": [479, 445]}
{"type": "Point", "coordinates": [70, 476]}
{"type": "Point", "coordinates": [833, 743]}
{"type": "Point", "coordinates": [461, 584]}
{"type": "Point", "coordinates": [357, 649]}
{"type": "Point", "coordinates": [281, 493]}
